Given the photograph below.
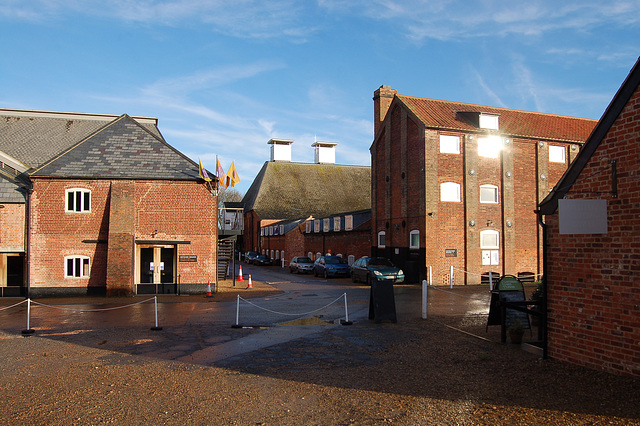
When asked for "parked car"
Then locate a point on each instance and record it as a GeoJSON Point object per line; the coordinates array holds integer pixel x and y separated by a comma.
{"type": "Point", "coordinates": [250, 256]}
{"type": "Point", "coordinates": [301, 264]}
{"type": "Point", "coordinates": [331, 266]}
{"type": "Point", "coordinates": [368, 269]}
{"type": "Point", "coordinates": [262, 260]}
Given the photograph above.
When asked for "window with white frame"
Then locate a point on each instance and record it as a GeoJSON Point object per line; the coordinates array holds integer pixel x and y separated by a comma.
{"type": "Point", "coordinates": [316, 225]}
{"type": "Point", "coordinates": [489, 239]}
{"type": "Point", "coordinates": [489, 243]}
{"type": "Point", "coordinates": [326, 224]}
{"type": "Point", "coordinates": [277, 254]}
{"type": "Point", "coordinates": [350, 259]}
{"type": "Point", "coordinates": [414, 239]}
{"type": "Point", "coordinates": [381, 239]}
{"type": "Point", "coordinates": [271, 231]}
{"type": "Point", "coordinates": [308, 225]}
{"type": "Point", "coordinates": [557, 154]}
{"type": "Point", "coordinates": [488, 121]}
{"type": "Point", "coordinates": [281, 254]}
{"type": "Point", "coordinates": [78, 200]}
{"type": "Point", "coordinates": [76, 266]}
{"type": "Point", "coordinates": [310, 255]}
{"type": "Point", "coordinates": [489, 147]}
{"type": "Point", "coordinates": [488, 194]}
{"type": "Point", "coordinates": [336, 224]}
{"type": "Point", "coordinates": [450, 192]}
{"type": "Point", "coordinates": [271, 257]}
{"type": "Point", "coordinates": [281, 229]}
{"type": "Point", "coordinates": [449, 144]}
{"type": "Point", "coordinates": [318, 255]}
{"type": "Point", "coordinates": [348, 223]}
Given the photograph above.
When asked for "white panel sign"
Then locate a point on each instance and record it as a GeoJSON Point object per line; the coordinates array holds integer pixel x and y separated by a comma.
{"type": "Point", "coordinates": [582, 216]}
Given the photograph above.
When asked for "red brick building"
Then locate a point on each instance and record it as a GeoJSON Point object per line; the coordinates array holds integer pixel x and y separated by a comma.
{"type": "Point", "coordinates": [456, 184]}
{"type": "Point", "coordinates": [592, 221]}
{"type": "Point", "coordinates": [347, 235]}
{"type": "Point", "coordinates": [285, 195]}
{"type": "Point", "coordinates": [110, 207]}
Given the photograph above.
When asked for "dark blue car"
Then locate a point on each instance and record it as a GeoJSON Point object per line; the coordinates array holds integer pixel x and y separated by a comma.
{"type": "Point", "coordinates": [331, 266]}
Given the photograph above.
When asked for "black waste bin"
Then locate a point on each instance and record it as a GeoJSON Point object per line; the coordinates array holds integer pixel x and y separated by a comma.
{"type": "Point", "coordinates": [382, 302]}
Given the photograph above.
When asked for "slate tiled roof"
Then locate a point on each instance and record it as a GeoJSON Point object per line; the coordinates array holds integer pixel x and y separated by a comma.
{"type": "Point", "coordinates": [11, 189]}
{"type": "Point", "coordinates": [446, 115]}
{"type": "Point", "coordinates": [35, 137]}
{"type": "Point", "coordinates": [283, 190]}
{"type": "Point", "coordinates": [123, 149]}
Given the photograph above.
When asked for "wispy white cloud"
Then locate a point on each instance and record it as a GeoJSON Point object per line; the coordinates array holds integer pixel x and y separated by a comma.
{"type": "Point", "coordinates": [240, 18]}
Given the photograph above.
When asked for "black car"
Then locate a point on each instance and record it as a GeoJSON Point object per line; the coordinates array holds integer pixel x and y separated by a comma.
{"type": "Point", "coordinates": [301, 264]}
{"type": "Point", "coordinates": [250, 256]}
{"type": "Point", "coordinates": [262, 260]}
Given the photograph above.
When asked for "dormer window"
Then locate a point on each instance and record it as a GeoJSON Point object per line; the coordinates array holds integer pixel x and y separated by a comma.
{"type": "Point", "coordinates": [488, 121]}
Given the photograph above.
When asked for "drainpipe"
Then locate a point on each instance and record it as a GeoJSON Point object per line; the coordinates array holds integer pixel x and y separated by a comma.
{"type": "Point", "coordinates": [543, 308]}
{"type": "Point", "coordinates": [27, 240]}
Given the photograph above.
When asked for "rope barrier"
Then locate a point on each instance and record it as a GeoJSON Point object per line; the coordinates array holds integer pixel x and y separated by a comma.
{"type": "Point", "coordinates": [295, 315]}
{"type": "Point", "coordinates": [90, 310]}
{"type": "Point", "coordinates": [29, 330]}
{"type": "Point", "coordinates": [13, 306]}
{"type": "Point", "coordinates": [346, 311]}
{"type": "Point", "coordinates": [456, 294]}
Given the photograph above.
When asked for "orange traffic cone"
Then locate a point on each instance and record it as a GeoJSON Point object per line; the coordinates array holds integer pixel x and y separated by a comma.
{"type": "Point", "coordinates": [250, 285]}
{"type": "Point", "coordinates": [209, 289]}
{"type": "Point", "coordinates": [240, 278]}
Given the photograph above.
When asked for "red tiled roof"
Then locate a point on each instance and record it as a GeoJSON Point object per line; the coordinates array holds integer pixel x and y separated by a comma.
{"type": "Point", "coordinates": [443, 115]}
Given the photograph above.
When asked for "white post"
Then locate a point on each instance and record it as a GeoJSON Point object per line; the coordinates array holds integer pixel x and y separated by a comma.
{"type": "Point", "coordinates": [28, 314]}
{"type": "Point", "coordinates": [238, 309]}
{"type": "Point", "coordinates": [155, 304]}
{"type": "Point", "coordinates": [490, 280]}
{"type": "Point", "coordinates": [346, 311]}
{"type": "Point", "coordinates": [283, 262]}
{"type": "Point", "coordinates": [424, 299]}
{"type": "Point", "coordinates": [430, 276]}
{"type": "Point", "coordinates": [451, 277]}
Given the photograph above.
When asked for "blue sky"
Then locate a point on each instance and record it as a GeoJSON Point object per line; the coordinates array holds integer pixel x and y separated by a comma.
{"type": "Point", "coordinates": [224, 77]}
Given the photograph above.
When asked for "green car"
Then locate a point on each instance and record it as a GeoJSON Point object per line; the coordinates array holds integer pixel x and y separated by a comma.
{"type": "Point", "coordinates": [368, 269]}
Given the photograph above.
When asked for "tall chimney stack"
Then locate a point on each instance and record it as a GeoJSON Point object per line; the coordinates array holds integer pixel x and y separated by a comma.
{"type": "Point", "coordinates": [381, 101]}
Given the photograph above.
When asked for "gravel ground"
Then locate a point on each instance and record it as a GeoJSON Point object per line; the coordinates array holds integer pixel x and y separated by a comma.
{"type": "Point", "coordinates": [414, 372]}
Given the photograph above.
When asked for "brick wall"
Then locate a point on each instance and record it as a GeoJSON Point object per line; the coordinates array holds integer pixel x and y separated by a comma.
{"type": "Point", "coordinates": [298, 242]}
{"type": "Point", "coordinates": [593, 291]}
{"type": "Point", "coordinates": [407, 171]}
{"type": "Point", "coordinates": [163, 211]}
{"type": "Point", "coordinates": [12, 227]}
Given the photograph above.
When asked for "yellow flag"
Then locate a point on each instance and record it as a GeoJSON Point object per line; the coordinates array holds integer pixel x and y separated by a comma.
{"type": "Point", "coordinates": [203, 173]}
{"type": "Point", "coordinates": [221, 175]}
{"type": "Point", "coordinates": [232, 176]}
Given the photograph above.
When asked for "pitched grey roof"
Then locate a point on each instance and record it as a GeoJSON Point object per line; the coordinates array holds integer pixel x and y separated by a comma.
{"type": "Point", "coordinates": [619, 101]}
{"type": "Point", "coordinates": [283, 190]}
{"type": "Point", "coordinates": [11, 189]}
{"type": "Point", "coordinates": [123, 149]}
{"type": "Point", "coordinates": [35, 137]}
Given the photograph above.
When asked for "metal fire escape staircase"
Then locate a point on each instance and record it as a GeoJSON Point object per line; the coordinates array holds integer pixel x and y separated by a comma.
{"type": "Point", "coordinates": [225, 256]}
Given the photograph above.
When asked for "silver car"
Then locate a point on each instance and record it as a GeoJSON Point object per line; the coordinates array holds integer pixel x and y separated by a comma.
{"type": "Point", "coordinates": [301, 264]}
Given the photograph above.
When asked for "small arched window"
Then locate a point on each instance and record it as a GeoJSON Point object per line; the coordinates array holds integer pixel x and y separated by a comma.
{"type": "Point", "coordinates": [381, 239]}
{"type": "Point", "coordinates": [78, 200]}
{"type": "Point", "coordinates": [489, 194]}
{"type": "Point", "coordinates": [450, 192]}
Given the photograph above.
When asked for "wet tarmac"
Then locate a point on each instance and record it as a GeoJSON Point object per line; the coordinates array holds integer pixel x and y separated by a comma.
{"type": "Point", "coordinates": [222, 330]}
